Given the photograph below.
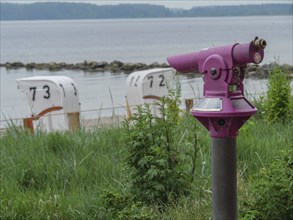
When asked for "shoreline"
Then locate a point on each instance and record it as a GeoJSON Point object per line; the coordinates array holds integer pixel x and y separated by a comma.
{"type": "Point", "coordinates": [252, 70]}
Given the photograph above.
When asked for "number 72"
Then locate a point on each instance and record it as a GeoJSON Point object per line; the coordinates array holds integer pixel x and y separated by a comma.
{"type": "Point", "coordinates": [151, 78]}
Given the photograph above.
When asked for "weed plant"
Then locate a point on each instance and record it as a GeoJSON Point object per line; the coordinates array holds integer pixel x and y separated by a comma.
{"type": "Point", "coordinates": [157, 154]}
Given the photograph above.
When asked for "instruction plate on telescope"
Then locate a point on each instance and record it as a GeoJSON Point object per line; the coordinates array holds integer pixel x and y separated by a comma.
{"type": "Point", "coordinates": [209, 104]}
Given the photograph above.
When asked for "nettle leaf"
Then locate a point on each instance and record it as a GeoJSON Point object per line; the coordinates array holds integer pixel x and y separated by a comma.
{"type": "Point", "coordinates": [162, 163]}
{"type": "Point", "coordinates": [152, 173]}
{"type": "Point", "coordinates": [159, 187]}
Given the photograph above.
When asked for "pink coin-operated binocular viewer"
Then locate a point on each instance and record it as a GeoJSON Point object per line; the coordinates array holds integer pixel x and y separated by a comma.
{"type": "Point", "coordinates": [223, 111]}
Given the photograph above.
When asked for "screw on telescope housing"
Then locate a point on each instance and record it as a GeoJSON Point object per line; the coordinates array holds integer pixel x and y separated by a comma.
{"type": "Point", "coordinates": [215, 73]}
{"type": "Point", "coordinates": [236, 72]}
{"type": "Point", "coordinates": [221, 122]}
{"type": "Point", "coordinates": [259, 43]}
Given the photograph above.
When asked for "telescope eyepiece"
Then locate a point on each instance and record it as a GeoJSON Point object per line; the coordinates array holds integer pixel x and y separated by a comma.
{"type": "Point", "coordinates": [259, 43]}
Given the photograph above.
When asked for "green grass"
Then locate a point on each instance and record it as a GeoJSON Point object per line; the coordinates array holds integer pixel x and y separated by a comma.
{"type": "Point", "coordinates": [60, 174]}
{"type": "Point", "coordinates": [63, 175]}
{"type": "Point", "coordinates": [259, 143]}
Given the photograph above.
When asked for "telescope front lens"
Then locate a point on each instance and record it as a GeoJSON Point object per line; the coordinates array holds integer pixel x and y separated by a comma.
{"type": "Point", "coordinates": [263, 44]}
{"type": "Point", "coordinates": [259, 43]}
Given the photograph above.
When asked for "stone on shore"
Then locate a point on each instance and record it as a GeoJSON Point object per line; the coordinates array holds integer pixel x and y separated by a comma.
{"type": "Point", "coordinates": [14, 65]}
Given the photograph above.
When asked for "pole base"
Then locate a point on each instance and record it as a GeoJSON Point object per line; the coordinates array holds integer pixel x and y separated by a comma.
{"type": "Point", "coordinates": [224, 179]}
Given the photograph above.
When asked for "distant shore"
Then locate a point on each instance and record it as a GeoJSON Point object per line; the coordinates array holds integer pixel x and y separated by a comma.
{"type": "Point", "coordinates": [252, 70]}
{"type": "Point", "coordinates": [70, 10]}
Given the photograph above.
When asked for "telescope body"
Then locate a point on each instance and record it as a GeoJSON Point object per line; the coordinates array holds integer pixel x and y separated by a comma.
{"type": "Point", "coordinates": [224, 108]}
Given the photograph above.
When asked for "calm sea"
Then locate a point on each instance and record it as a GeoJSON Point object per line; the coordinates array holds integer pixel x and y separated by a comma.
{"type": "Point", "coordinates": [128, 40]}
{"type": "Point", "coordinates": [145, 40]}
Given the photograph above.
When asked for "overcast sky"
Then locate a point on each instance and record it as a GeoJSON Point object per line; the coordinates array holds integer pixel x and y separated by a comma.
{"type": "Point", "coordinates": [168, 3]}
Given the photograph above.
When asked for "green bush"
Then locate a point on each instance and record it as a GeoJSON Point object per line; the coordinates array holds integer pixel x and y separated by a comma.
{"type": "Point", "coordinates": [278, 104]}
{"type": "Point", "coordinates": [161, 154]}
{"type": "Point", "coordinates": [271, 194]}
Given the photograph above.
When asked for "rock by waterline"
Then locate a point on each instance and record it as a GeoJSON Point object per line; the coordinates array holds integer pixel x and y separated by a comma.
{"type": "Point", "coordinates": [252, 70]}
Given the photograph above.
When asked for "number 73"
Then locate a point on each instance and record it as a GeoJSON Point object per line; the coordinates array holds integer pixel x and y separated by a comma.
{"type": "Point", "coordinates": [33, 89]}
